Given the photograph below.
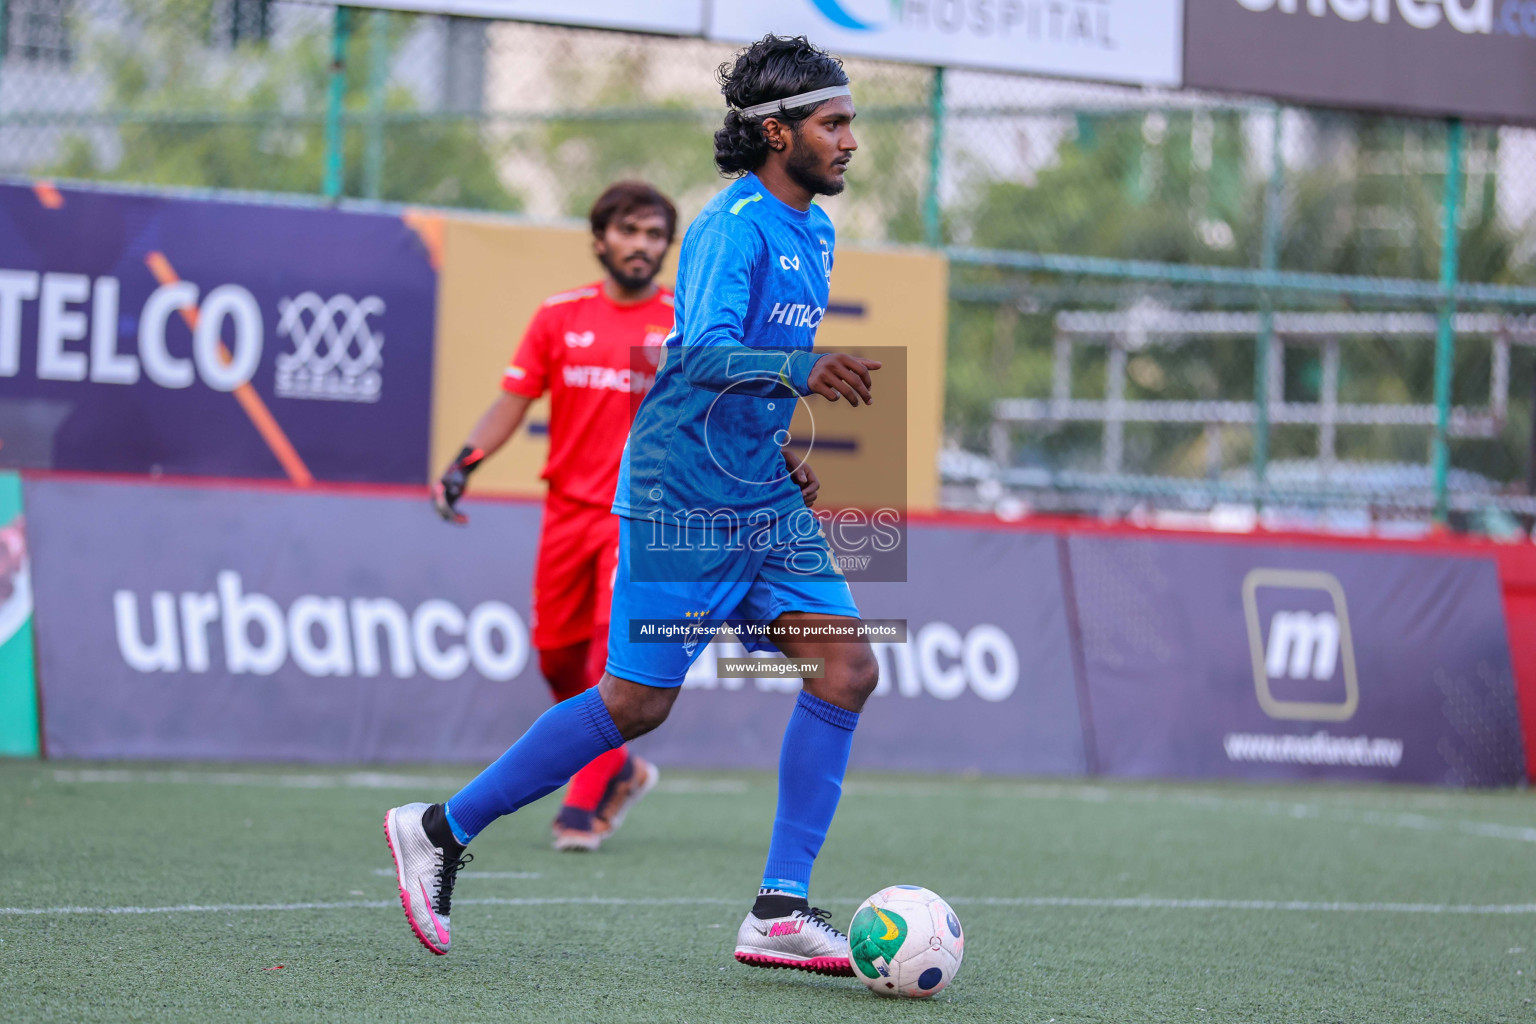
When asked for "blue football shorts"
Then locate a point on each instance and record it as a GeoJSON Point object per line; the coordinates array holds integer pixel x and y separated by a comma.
{"type": "Point", "coordinates": [711, 577]}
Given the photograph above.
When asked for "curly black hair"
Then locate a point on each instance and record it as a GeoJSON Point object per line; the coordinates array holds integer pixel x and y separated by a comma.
{"type": "Point", "coordinates": [771, 68]}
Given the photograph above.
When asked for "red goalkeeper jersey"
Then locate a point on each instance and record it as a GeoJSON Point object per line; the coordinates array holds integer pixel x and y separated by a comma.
{"type": "Point", "coordinates": [580, 348]}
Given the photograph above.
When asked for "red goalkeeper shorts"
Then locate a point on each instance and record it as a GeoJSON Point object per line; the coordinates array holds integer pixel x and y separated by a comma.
{"type": "Point", "coordinates": [573, 580]}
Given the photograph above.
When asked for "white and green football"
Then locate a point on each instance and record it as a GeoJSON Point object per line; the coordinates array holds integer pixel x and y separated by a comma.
{"type": "Point", "coordinates": [906, 941]}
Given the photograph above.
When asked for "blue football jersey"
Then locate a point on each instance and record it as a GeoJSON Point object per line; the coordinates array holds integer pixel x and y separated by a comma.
{"type": "Point", "coordinates": [752, 279]}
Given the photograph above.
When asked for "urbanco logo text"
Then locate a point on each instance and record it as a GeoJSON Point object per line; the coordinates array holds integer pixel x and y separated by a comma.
{"type": "Point", "coordinates": [250, 632]}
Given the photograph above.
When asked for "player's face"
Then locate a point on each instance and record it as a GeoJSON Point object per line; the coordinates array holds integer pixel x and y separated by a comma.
{"type": "Point", "coordinates": [632, 248]}
{"type": "Point", "coordinates": [821, 146]}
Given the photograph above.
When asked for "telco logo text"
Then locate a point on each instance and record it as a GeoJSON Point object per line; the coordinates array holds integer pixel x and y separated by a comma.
{"type": "Point", "coordinates": [324, 636]}
{"type": "Point", "coordinates": [58, 324]}
{"type": "Point", "coordinates": [337, 351]}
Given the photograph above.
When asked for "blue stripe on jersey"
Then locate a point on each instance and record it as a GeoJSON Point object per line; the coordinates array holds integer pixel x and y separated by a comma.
{"type": "Point", "coordinates": [751, 290]}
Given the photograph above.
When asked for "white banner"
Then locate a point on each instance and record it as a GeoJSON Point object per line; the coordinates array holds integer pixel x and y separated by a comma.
{"type": "Point", "coordinates": [1135, 41]}
{"type": "Point", "coordinates": [674, 17]}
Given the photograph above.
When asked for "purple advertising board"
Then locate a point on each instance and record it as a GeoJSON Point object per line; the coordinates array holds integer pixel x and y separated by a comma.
{"type": "Point", "coordinates": [1208, 659]}
{"type": "Point", "coordinates": [192, 622]}
{"type": "Point", "coordinates": [983, 683]}
{"type": "Point", "coordinates": [145, 334]}
{"type": "Point", "coordinates": [1464, 58]}
{"type": "Point", "coordinates": [178, 621]}
{"type": "Point", "coordinates": [266, 623]}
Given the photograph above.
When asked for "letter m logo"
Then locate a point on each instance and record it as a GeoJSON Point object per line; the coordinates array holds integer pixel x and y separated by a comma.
{"type": "Point", "coordinates": [1300, 645]}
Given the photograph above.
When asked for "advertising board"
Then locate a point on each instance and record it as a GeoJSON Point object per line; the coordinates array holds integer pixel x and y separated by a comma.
{"type": "Point", "coordinates": [18, 685]}
{"type": "Point", "coordinates": [196, 622]}
{"type": "Point", "coordinates": [1240, 660]}
{"type": "Point", "coordinates": [1134, 41]}
{"type": "Point", "coordinates": [1472, 58]}
{"type": "Point", "coordinates": [148, 334]}
{"type": "Point", "coordinates": [496, 275]}
{"type": "Point", "coordinates": [673, 17]}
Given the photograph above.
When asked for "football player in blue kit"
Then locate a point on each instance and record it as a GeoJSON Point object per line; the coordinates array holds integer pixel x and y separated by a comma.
{"type": "Point", "coordinates": [715, 525]}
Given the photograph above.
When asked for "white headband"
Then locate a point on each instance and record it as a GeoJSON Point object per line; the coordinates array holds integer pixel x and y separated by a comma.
{"type": "Point", "coordinates": [789, 102]}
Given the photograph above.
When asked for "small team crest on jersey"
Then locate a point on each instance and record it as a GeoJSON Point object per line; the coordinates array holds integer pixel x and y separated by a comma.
{"type": "Point", "coordinates": [826, 258]}
{"type": "Point", "coordinates": [655, 336]}
{"type": "Point", "coordinates": [584, 339]}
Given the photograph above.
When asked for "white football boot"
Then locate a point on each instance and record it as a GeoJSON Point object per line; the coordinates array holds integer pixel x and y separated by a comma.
{"type": "Point", "coordinates": [425, 874]}
{"type": "Point", "coordinates": [802, 941]}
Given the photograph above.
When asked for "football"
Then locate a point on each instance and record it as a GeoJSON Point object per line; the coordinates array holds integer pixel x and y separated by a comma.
{"type": "Point", "coordinates": [906, 941]}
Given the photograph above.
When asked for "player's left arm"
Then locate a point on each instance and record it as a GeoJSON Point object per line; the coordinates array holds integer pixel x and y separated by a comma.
{"type": "Point", "coordinates": [717, 273]}
{"type": "Point", "coordinates": [804, 476]}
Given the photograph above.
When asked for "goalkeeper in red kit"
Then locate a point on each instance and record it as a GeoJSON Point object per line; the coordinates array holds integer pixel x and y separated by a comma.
{"type": "Point", "coordinates": [581, 347]}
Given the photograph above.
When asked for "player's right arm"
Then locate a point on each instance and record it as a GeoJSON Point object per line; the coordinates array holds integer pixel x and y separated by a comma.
{"type": "Point", "coordinates": [523, 382]}
{"type": "Point", "coordinates": [845, 375]}
{"type": "Point", "coordinates": [496, 427]}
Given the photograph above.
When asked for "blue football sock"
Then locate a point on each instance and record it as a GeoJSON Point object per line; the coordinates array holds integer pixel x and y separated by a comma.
{"type": "Point", "coordinates": [553, 749]}
{"type": "Point", "coordinates": [811, 766]}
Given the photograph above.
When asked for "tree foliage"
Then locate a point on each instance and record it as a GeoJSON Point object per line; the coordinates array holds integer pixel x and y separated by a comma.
{"type": "Point", "coordinates": [1171, 189]}
{"type": "Point", "coordinates": [195, 111]}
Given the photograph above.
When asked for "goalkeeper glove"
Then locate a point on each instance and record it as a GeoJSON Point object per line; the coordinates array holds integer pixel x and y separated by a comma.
{"type": "Point", "coordinates": [450, 486]}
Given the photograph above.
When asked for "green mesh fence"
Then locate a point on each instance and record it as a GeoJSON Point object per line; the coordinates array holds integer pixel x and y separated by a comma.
{"type": "Point", "coordinates": [1056, 200]}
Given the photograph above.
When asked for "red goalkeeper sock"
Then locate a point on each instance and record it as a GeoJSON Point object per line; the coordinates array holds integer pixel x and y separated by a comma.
{"type": "Point", "coordinates": [589, 785]}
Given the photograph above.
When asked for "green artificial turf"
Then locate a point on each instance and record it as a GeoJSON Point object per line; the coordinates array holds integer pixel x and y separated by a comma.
{"type": "Point", "coordinates": [643, 930]}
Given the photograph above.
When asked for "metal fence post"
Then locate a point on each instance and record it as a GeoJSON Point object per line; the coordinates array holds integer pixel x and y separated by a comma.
{"type": "Point", "coordinates": [933, 227]}
{"type": "Point", "coordinates": [1445, 335]}
{"type": "Point", "coordinates": [1530, 459]}
{"type": "Point", "coordinates": [378, 81]}
{"type": "Point", "coordinates": [335, 161]}
{"type": "Point", "coordinates": [1269, 262]}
